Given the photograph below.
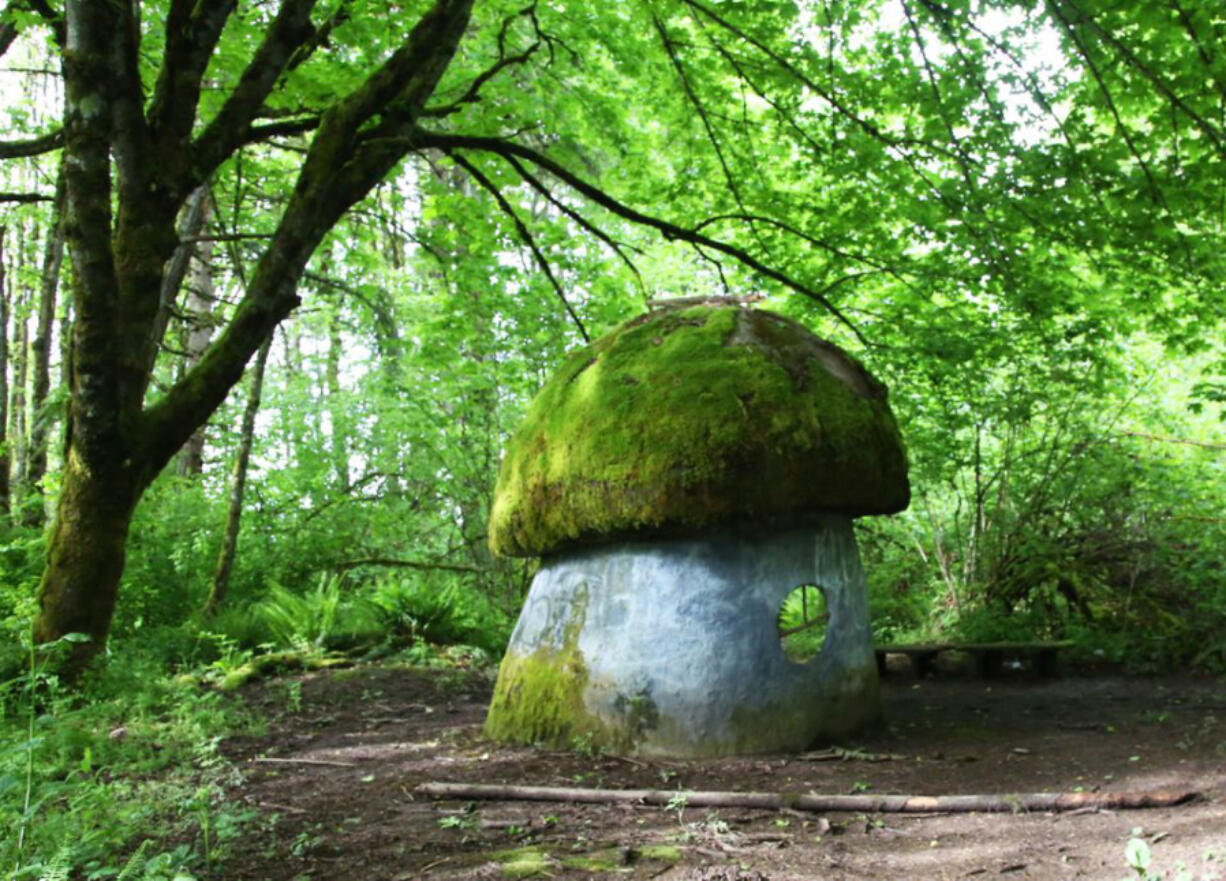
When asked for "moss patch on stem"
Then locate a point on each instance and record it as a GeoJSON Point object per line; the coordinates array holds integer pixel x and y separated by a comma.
{"type": "Point", "coordinates": [539, 697]}
{"type": "Point", "coordinates": [687, 419]}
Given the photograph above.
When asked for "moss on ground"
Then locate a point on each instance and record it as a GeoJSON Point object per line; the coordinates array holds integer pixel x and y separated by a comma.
{"type": "Point", "coordinates": [687, 419]}
{"type": "Point", "coordinates": [527, 862]}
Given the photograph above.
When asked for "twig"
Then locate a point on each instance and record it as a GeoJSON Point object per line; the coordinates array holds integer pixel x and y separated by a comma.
{"type": "Point", "coordinates": [325, 762]}
{"type": "Point", "coordinates": [290, 809]}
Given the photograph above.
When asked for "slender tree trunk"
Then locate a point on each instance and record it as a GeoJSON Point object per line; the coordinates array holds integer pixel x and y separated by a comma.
{"type": "Point", "coordinates": [18, 358]}
{"type": "Point", "coordinates": [201, 301]}
{"type": "Point", "coordinates": [40, 350]}
{"type": "Point", "coordinates": [337, 412]}
{"type": "Point", "coordinates": [5, 489]}
{"type": "Point", "coordinates": [238, 486]}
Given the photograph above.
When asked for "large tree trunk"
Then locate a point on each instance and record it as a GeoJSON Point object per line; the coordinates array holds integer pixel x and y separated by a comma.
{"type": "Point", "coordinates": [86, 556]}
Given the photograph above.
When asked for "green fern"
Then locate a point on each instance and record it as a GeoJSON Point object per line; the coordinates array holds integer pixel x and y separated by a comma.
{"type": "Point", "coordinates": [60, 865]}
{"type": "Point", "coordinates": [134, 868]}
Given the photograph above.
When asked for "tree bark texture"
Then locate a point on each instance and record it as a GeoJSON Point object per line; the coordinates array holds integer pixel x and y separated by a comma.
{"type": "Point", "coordinates": [201, 303]}
{"type": "Point", "coordinates": [86, 556]}
{"type": "Point", "coordinates": [19, 414]}
{"type": "Point", "coordinates": [1024, 801]}
{"type": "Point", "coordinates": [338, 411]}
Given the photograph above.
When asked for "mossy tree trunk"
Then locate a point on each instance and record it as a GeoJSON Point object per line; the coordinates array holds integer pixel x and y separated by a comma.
{"type": "Point", "coordinates": [146, 158]}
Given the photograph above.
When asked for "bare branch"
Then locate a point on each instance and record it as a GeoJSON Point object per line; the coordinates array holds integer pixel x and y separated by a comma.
{"type": "Point", "coordinates": [525, 234]}
{"type": "Point", "coordinates": [472, 94]}
{"type": "Point", "coordinates": [231, 127]}
{"type": "Point", "coordinates": [670, 231]}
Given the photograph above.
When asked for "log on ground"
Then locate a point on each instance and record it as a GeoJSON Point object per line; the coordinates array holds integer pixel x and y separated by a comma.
{"type": "Point", "coordinates": [858, 803]}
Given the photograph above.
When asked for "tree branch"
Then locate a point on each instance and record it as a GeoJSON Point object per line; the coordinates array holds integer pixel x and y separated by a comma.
{"type": "Point", "coordinates": [1161, 85]}
{"type": "Point", "coordinates": [670, 231]}
{"type": "Point", "coordinates": [524, 234]}
{"type": "Point", "coordinates": [192, 33]}
{"type": "Point", "coordinates": [93, 419]}
{"type": "Point", "coordinates": [340, 168]}
{"type": "Point", "coordinates": [278, 129]}
{"type": "Point", "coordinates": [1082, 50]}
{"type": "Point", "coordinates": [230, 128]}
{"type": "Point", "coordinates": [825, 94]}
{"type": "Point", "coordinates": [615, 246]}
{"type": "Point", "coordinates": [1008, 803]}
{"type": "Point", "coordinates": [25, 198]}
{"type": "Point", "coordinates": [395, 563]}
{"type": "Point", "coordinates": [472, 94]}
{"type": "Point", "coordinates": [32, 146]}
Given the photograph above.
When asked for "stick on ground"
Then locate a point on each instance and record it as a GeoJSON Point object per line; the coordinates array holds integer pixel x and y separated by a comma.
{"type": "Point", "coordinates": [860, 803]}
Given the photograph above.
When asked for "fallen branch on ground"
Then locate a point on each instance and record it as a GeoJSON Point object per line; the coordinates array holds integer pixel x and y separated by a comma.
{"type": "Point", "coordinates": [1024, 801]}
{"type": "Point", "coordinates": [835, 754]}
{"type": "Point", "coordinates": [270, 760]}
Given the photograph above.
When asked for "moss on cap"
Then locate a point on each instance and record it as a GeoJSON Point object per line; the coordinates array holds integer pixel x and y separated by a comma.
{"type": "Point", "coordinates": [690, 418]}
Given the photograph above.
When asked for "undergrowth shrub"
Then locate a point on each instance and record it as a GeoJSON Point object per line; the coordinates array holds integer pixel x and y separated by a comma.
{"type": "Point", "coordinates": [1067, 526]}
{"type": "Point", "coordinates": [93, 773]}
{"type": "Point", "coordinates": [420, 608]}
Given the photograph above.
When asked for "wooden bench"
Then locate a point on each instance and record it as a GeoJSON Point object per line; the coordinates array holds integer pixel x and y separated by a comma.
{"type": "Point", "coordinates": [989, 656]}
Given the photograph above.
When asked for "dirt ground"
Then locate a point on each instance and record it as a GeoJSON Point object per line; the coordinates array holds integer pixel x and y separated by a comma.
{"type": "Point", "coordinates": [334, 781]}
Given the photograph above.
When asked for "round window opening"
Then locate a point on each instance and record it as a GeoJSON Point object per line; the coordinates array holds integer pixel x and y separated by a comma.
{"type": "Point", "coordinates": [803, 622]}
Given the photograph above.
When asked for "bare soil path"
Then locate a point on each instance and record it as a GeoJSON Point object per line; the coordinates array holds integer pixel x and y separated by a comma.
{"type": "Point", "coordinates": [348, 747]}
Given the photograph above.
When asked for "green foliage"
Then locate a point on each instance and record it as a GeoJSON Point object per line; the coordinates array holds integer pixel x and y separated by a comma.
{"type": "Point", "coordinates": [321, 618]}
{"type": "Point", "coordinates": [417, 609]}
{"type": "Point", "coordinates": [802, 623]}
{"type": "Point", "coordinates": [1090, 514]}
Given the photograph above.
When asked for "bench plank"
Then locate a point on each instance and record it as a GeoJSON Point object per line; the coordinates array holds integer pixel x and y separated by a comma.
{"type": "Point", "coordinates": [988, 656]}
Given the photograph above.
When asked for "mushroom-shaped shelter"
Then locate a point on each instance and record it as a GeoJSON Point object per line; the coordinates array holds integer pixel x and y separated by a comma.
{"type": "Point", "coordinates": [679, 477]}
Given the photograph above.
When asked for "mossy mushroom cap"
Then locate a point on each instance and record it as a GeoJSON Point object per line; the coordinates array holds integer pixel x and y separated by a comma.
{"type": "Point", "coordinates": [691, 419]}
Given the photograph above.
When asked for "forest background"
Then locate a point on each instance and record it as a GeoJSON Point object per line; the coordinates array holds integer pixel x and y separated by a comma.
{"type": "Point", "coordinates": [1011, 212]}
